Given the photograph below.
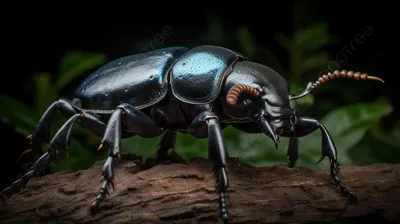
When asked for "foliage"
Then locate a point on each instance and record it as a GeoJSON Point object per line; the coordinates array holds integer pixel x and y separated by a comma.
{"type": "Point", "coordinates": [23, 118]}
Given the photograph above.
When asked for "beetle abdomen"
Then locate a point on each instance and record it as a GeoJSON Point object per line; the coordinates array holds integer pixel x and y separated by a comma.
{"type": "Point", "coordinates": [139, 80]}
{"type": "Point", "coordinates": [198, 74]}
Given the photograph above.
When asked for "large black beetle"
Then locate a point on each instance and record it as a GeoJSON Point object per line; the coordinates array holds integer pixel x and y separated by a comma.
{"type": "Point", "coordinates": [198, 91]}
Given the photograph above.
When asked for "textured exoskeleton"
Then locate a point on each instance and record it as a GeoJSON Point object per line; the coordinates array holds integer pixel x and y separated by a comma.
{"type": "Point", "coordinates": [197, 91]}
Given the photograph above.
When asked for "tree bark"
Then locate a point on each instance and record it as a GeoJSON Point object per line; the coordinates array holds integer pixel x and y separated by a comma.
{"type": "Point", "coordinates": [184, 193]}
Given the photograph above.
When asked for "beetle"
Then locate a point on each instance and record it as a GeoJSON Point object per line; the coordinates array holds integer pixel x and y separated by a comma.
{"type": "Point", "coordinates": [198, 91]}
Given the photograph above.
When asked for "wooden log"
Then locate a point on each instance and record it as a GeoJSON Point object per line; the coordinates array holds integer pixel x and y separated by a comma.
{"type": "Point", "coordinates": [184, 193]}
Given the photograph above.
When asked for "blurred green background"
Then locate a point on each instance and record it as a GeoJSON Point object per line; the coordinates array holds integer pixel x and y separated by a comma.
{"type": "Point", "coordinates": [358, 115]}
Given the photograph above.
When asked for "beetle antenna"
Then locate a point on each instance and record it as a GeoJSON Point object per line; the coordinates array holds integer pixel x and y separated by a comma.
{"type": "Point", "coordinates": [237, 90]}
{"type": "Point", "coordinates": [344, 74]}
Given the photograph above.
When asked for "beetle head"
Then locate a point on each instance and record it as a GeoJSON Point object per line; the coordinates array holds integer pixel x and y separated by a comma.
{"type": "Point", "coordinates": [272, 119]}
{"type": "Point", "coordinates": [253, 92]}
{"type": "Point", "coordinates": [251, 85]}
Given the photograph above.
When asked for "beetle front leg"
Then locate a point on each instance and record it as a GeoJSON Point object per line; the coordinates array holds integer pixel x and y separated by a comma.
{"type": "Point", "coordinates": [206, 124]}
{"type": "Point", "coordinates": [305, 126]}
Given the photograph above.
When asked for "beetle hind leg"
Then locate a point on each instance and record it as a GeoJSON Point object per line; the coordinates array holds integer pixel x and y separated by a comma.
{"type": "Point", "coordinates": [166, 152]}
{"type": "Point", "coordinates": [292, 152]}
{"type": "Point", "coordinates": [59, 142]}
{"type": "Point", "coordinates": [42, 133]}
{"type": "Point", "coordinates": [36, 169]}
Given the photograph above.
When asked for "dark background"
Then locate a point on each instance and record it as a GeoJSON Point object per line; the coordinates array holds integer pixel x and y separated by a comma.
{"type": "Point", "coordinates": [36, 37]}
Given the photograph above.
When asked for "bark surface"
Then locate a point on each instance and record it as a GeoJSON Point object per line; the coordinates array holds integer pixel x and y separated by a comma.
{"type": "Point", "coordinates": [184, 193]}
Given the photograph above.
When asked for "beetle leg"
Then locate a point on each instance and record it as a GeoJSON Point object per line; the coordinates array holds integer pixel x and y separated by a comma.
{"type": "Point", "coordinates": [38, 167]}
{"type": "Point", "coordinates": [305, 126]}
{"type": "Point", "coordinates": [42, 133]}
{"type": "Point", "coordinates": [217, 153]}
{"type": "Point", "coordinates": [292, 153]}
{"type": "Point", "coordinates": [139, 123]}
{"type": "Point", "coordinates": [198, 127]}
{"type": "Point", "coordinates": [59, 142]}
{"type": "Point", "coordinates": [112, 140]}
{"type": "Point", "coordinates": [168, 143]}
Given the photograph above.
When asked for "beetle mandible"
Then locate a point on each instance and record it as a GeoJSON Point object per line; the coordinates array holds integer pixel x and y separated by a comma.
{"type": "Point", "coordinates": [198, 91]}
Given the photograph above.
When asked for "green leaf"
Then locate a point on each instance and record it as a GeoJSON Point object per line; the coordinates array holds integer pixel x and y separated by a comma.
{"type": "Point", "coordinates": [259, 150]}
{"type": "Point", "coordinates": [348, 125]}
{"type": "Point", "coordinates": [313, 37]}
{"type": "Point", "coordinates": [380, 151]}
{"type": "Point", "coordinates": [18, 115]}
{"type": "Point", "coordinates": [393, 138]}
{"type": "Point", "coordinates": [145, 147]}
{"type": "Point", "coordinates": [246, 41]}
{"type": "Point", "coordinates": [79, 158]}
{"type": "Point", "coordinates": [363, 152]}
{"type": "Point", "coordinates": [189, 147]}
{"type": "Point", "coordinates": [284, 41]}
{"type": "Point", "coordinates": [273, 62]}
{"type": "Point", "coordinates": [390, 137]}
{"type": "Point", "coordinates": [45, 93]}
{"type": "Point", "coordinates": [76, 63]}
{"type": "Point", "coordinates": [231, 134]}
{"type": "Point", "coordinates": [313, 62]}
